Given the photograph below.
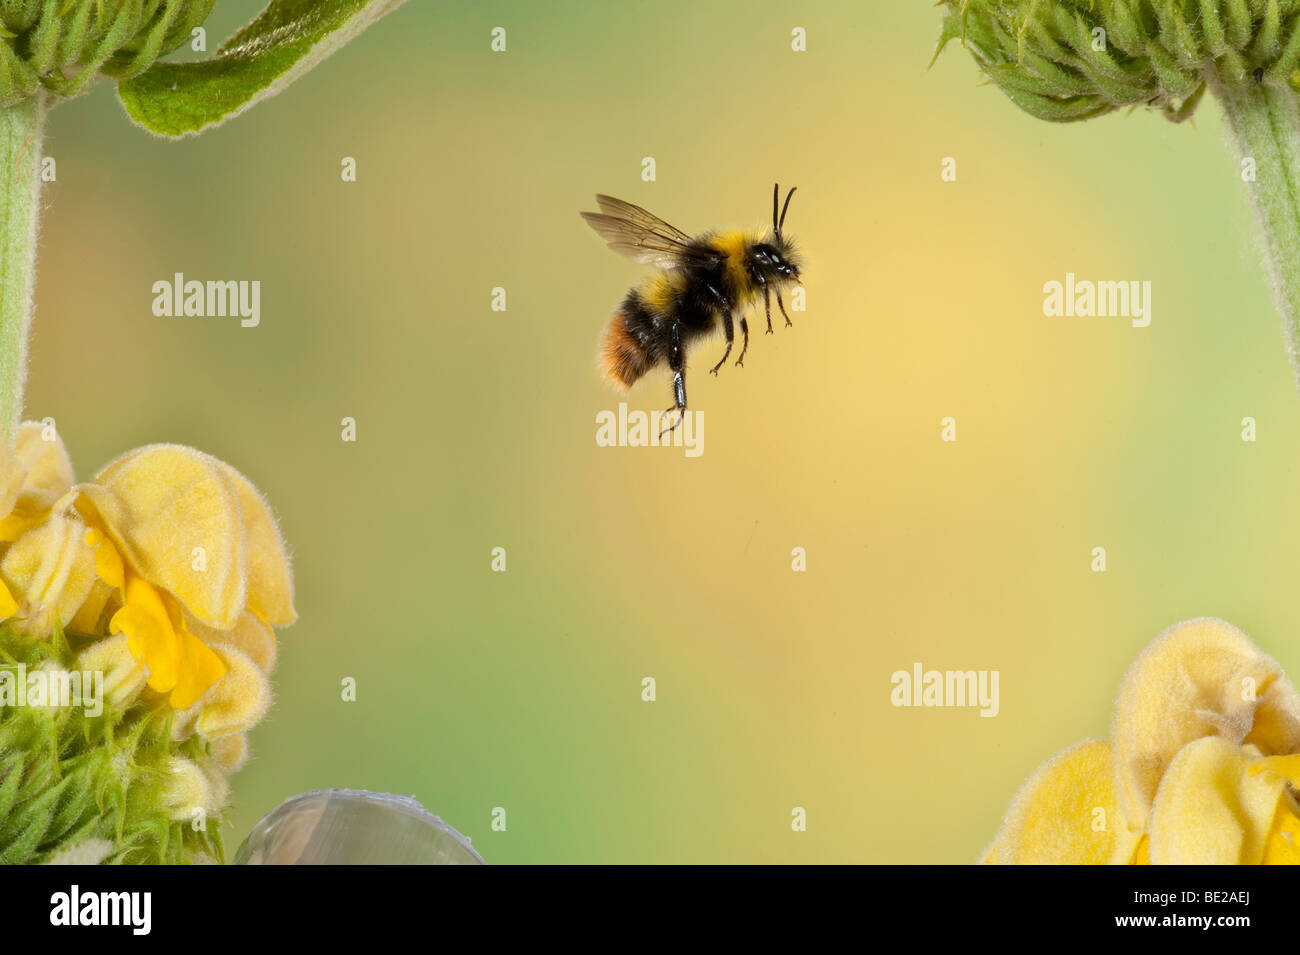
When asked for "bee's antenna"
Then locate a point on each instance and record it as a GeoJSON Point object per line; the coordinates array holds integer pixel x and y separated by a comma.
{"type": "Point", "coordinates": [784, 209]}
{"type": "Point", "coordinates": [776, 196]}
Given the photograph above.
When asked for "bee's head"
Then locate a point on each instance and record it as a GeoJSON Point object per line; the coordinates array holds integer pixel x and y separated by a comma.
{"type": "Point", "coordinates": [775, 258]}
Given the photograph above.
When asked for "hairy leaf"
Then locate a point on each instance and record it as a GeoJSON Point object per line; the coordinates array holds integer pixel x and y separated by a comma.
{"type": "Point", "coordinates": [286, 40]}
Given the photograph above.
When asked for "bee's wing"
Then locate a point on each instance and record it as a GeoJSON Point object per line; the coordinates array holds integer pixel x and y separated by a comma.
{"type": "Point", "coordinates": [644, 237]}
{"type": "Point", "coordinates": [639, 217]}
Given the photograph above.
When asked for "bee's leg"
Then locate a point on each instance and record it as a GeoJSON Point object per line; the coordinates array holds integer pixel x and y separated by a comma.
{"type": "Point", "coordinates": [744, 341]}
{"type": "Point", "coordinates": [788, 323]}
{"type": "Point", "coordinates": [679, 404]}
{"type": "Point", "coordinates": [677, 362]}
{"type": "Point", "coordinates": [767, 307]}
{"type": "Point", "coordinates": [729, 330]}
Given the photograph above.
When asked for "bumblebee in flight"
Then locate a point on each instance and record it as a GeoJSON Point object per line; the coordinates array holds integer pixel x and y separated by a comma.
{"type": "Point", "coordinates": [699, 282]}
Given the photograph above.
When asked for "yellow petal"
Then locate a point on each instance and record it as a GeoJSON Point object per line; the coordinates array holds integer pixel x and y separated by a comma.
{"type": "Point", "coordinates": [8, 605]}
{"type": "Point", "coordinates": [50, 569]}
{"type": "Point", "coordinates": [1066, 813]}
{"type": "Point", "coordinates": [250, 635]}
{"type": "Point", "coordinates": [1197, 679]}
{"type": "Point", "coordinates": [29, 510]}
{"type": "Point", "coordinates": [218, 785]}
{"type": "Point", "coordinates": [1283, 846]}
{"type": "Point", "coordinates": [183, 720]}
{"type": "Point", "coordinates": [270, 582]}
{"type": "Point", "coordinates": [1142, 854]}
{"type": "Point", "coordinates": [1288, 767]}
{"type": "Point", "coordinates": [12, 475]}
{"type": "Point", "coordinates": [34, 478]}
{"type": "Point", "coordinates": [237, 701]}
{"type": "Point", "coordinates": [230, 753]}
{"type": "Point", "coordinates": [1284, 837]}
{"type": "Point", "coordinates": [39, 449]}
{"type": "Point", "coordinates": [150, 634]}
{"type": "Point", "coordinates": [108, 562]}
{"type": "Point", "coordinates": [175, 517]}
{"type": "Point", "coordinates": [97, 609]}
{"type": "Point", "coordinates": [124, 676]}
{"type": "Point", "coordinates": [200, 668]}
{"type": "Point", "coordinates": [1209, 810]}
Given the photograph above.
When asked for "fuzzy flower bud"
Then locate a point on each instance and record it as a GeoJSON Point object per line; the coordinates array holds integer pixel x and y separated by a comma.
{"type": "Point", "coordinates": [1065, 60]}
{"type": "Point", "coordinates": [62, 46]}
{"type": "Point", "coordinates": [186, 788]}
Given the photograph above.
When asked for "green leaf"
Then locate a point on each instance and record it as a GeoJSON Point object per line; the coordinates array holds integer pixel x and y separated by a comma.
{"type": "Point", "coordinates": [286, 40]}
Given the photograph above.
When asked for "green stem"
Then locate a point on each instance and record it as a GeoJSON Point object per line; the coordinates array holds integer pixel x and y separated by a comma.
{"type": "Point", "coordinates": [1265, 126]}
{"type": "Point", "coordinates": [20, 204]}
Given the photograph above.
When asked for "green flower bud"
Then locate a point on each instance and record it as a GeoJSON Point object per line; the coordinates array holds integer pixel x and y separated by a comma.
{"type": "Point", "coordinates": [62, 45]}
{"type": "Point", "coordinates": [1065, 60]}
{"type": "Point", "coordinates": [110, 780]}
{"type": "Point", "coordinates": [186, 789]}
{"type": "Point", "coordinates": [89, 852]}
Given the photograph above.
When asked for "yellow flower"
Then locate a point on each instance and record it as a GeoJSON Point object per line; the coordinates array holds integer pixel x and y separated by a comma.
{"type": "Point", "coordinates": [166, 546]}
{"type": "Point", "coordinates": [46, 571]}
{"type": "Point", "coordinates": [52, 571]}
{"type": "Point", "coordinates": [33, 476]}
{"type": "Point", "coordinates": [1202, 768]}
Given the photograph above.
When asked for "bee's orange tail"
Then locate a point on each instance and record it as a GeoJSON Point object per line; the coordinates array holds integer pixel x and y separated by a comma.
{"type": "Point", "coordinates": [622, 357]}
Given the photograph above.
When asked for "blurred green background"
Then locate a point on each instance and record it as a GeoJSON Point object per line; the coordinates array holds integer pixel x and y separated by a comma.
{"type": "Point", "coordinates": [476, 428]}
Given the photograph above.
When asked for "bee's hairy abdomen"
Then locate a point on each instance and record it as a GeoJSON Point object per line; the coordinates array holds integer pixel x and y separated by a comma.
{"type": "Point", "coordinates": [630, 345]}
